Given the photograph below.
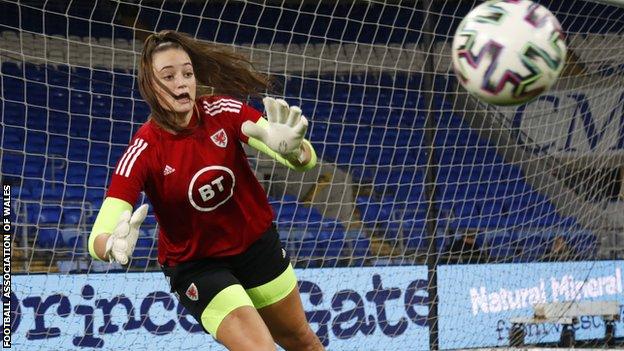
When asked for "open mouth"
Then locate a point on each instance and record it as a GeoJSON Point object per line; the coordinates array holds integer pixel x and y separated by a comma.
{"type": "Point", "coordinates": [183, 98]}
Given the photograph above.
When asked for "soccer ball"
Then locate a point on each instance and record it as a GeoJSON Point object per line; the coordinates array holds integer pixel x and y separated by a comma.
{"type": "Point", "coordinates": [507, 52]}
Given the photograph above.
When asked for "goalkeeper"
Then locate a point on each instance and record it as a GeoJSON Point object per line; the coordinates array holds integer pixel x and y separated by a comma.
{"type": "Point", "coordinates": [217, 245]}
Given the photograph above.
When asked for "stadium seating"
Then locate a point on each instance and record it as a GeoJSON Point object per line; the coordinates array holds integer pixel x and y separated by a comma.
{"type": "Point", "coordinates": [66, 126]}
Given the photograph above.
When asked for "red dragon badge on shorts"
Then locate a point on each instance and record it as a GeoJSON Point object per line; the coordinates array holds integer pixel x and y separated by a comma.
{"type": "Point", "coordinates": [192, 292]}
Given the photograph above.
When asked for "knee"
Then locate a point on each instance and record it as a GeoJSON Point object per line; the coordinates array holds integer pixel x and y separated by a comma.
{"type": "Point", "coordinates": [251, 341]}
{"type": "Point", "coordinates": [257, 343]}
{"type": "Point", "coordinates": [300, 338]}
{"type": "Point", "coordinates": [243, 330]}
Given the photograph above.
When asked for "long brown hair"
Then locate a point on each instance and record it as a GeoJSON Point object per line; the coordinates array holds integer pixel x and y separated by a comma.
{"type": "Point", "coordinates": [218, 70]}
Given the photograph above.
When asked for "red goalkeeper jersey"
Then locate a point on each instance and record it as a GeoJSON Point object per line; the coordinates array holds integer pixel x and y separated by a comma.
{"type": "Point", "coordinates": [206, 198]}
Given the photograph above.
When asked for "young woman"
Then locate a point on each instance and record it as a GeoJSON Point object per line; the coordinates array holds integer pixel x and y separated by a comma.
{"type": "Point", "coordinates": [217, 245]}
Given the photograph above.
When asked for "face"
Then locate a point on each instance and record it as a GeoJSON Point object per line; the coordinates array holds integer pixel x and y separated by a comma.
{"type": "Point", "coordinates": [174, 70]}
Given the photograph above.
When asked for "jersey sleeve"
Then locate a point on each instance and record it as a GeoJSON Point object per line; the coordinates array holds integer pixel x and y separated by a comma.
{"type": "Point", "coordinates": [248, 113]}
{"type": "Point", "coordinates": [131, 171]}
{"type": "Point", "coordinates": [237, 112]}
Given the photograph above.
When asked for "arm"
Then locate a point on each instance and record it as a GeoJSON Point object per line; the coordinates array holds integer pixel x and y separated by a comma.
{"type": "Point", "coordinates": [104, 226]}
{"type": "Point", "coordinates": [306, 160]}
{"type": "Point", "coordinates": [116, 230]}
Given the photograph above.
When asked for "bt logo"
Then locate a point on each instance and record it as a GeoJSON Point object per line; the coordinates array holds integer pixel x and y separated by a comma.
{"type": "Point", "coordinates": [211, 187]}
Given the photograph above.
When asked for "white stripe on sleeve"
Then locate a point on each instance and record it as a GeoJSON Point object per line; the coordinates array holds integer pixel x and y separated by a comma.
{"type": "Point", "coordinates": [221, 105]}
{"type": "Point", "coordinates": [134, 158]}
{"type": "Point", "coordinates": [224, 109]}
{"type": "Point", "coordinates": [224, 104]}
{"type": "Point", "coordinates": [122, 162]}
{"type": "Point", "coordinates": [128, 155]}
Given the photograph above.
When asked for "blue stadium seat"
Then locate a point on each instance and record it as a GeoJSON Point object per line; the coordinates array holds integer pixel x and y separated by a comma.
{"type": "Point", "coordinates": [480, 222]}
{"type": "Point", "coordinates": [13, 139]}
{"type": "Point", "coordinates": [34, 166]}
{"type": "Point", "coordinates": [77, 244]}
{"type": "Point", "coordinates": [14, 113]}
{"type": "Point", "coordinates": [12, 163]}
{"type": "Point", "coordinates": [31, 211]}
{"type": "Point", "coordinates": [97, 176]}
{"type": "Point", "coordinates": [74, 193]}
{"type": "Point", "coordinates": [98, 154]}
{"type": "Point", "coordinates": [53, 191]}
{"type": "Point", "coordinates": [532, 246]}
{"type": "Point", "coordinates": [34, 72]}
{"type": "Point", "coordinates": [583, 242]}
{"type": "Point", "coordinates": [58, 75]}
{"type": "Point", "coordinates": [71, 216]}
{"type": "Point", "coordinates": [467, 208]}
{"type": "Point", "coordinates": [146, 242]}
{"type": "Point", "coordinates": [36, 142]}
{"type": "Point", "coordinates": [69, 235]}
{"type": "Point", "coordinates": [121, 133]}
{"type": "Point", "coordinates": [57, 145]}
{"type": "Point", "coordinates": [345, 154]}
{"type": "Point", "coordinates": [35, 188]}
{"type": "Point", "coordinates": [122, 84]}
{"type": "Point", "coordinates": [95, 194]}
{"type": "Point", "coordinates": [76, 173]}
{"type": "Point", "coordinates": [374, 212]}
{"type": "Point", "coordinates": [48, 238]}
{"type": "Point", "coordinates": [80, 102]}
{"type": "Point", "coordinates": [100, 129]}
{"type": "Point", "coordinates": [12, 69]}
{"type": "Point", "coordinates": [13, 89]}
{"type": "Point", "coordinates": [307, 215]}
{"type": "Point", "coordinates": [143, 252]}
{"type": "Point", "coordinates": [37, 118]}
{"type": "Point", "coordinates": [304, 248]}
{"type": "Point", "coordinates": [500, 245]}
{"type": "Point", "coordinates": [122, 109]}
{"type": "Point", "coordinates": [101, 87]}
{"type": "Point", "coordinates": [502, 253]}
{"type": "Point", "coordinates": [102, 102]}
{"type": "Point", "coordinates": [361, 247]}
{"type": "Point", "coordinates": [140, 110]}
{"type": "Point", "coordinates": [36, 94]}
{"type": "Point", "coordinates": [286, 213]}
{"type": "Point", "coordinates": [409, 191]}
{"type": "Point", "coordinates": [58, 98]}
{"type": "Point", "coordinates": [50, 214]}
{"type": "Point", "coordinates": [20, 192]}
{"type": "Point", "coordinates": [150, 220]}
{"type": "Point", "coordinates": [75, 151]}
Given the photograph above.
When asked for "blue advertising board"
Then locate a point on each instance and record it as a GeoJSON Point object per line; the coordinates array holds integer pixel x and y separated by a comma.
{"type": "Point", "coordinates": [371, 308]}
{"type": "Point", "coordinates": [350, 309]}
{"type": "Point", "coordinates": [484, 298]}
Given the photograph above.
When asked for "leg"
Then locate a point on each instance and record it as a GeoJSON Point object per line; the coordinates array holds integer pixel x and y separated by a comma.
{"type": "Point", "coordinates": [288, 325]}
{"type": "Point", "coordinates": [271, 285]}
{"type": "Point", "coordinates": [233, 321]}
{"type": "Point", "coordinates": [217, 300]}
{"type": "Point", "coordinates": [243, 329]}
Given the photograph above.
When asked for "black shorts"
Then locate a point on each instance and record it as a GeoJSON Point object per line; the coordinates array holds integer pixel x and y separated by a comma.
{"type": "Point", "coordinates": [197, 282]}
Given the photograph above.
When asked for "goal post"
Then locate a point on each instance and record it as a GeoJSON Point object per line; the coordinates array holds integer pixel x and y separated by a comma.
{"type": "Point", "coordinates": [429, 214]}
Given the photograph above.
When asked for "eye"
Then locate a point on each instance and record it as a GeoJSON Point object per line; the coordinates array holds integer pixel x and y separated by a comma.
{"type": "Point", "coordinates": [168, 77]}
{"type": "Point", "coordinates": [188, 74]}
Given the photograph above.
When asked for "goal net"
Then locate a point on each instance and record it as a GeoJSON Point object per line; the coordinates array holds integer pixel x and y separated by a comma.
{"type": "Point", "coordinates": [429, 216]}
